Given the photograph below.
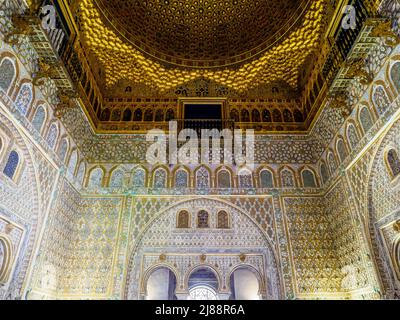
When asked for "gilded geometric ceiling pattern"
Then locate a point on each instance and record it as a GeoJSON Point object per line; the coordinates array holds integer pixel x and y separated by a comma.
{"type": "Point", "coordinates": [202, 33]}
{"type": "Point", "coordinates": [122, 61]}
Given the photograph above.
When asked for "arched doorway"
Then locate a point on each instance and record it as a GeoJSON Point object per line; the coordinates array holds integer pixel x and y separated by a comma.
{"type": "Point", "coordinates": [244, 284]}
{"type": "Point", "coordinates": [203, 285]}
{"type": "Point", "coordinates": [186, 251]}
{"type": "Point", "coordinates": [161, 285]}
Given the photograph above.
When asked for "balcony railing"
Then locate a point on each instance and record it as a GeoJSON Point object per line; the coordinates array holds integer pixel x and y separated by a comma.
{"type": "Point", "coordinates": [205, 124]}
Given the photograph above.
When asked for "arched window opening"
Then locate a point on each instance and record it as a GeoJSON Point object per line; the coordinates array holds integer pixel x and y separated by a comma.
{"type": "Point", "coordinates": [287, 116]}
{"type": "Point", "coordinates": [244, 285]}
{"type": "Point", "coordinates": [52, 136]}
{"type": "Point", "coordinates": [395, 75]}
{"type": "Point", "coordinates": [266, 179]}
{"type": "Point", "coordinates": [117, 179]}
{"type": "Point", "coordinates": [96, 178]}
{"type": "Point", "coordinates": [161, 285]}
{"type": "Point", "coordinates": [366, 119]}
{"type": "Point", "coordinates": [139, 179]}
{"type": "Point", "coordinates": [159, 115]}
{"type": "Point", "coordinates": [245, 179]}
{"type": "Point", "coordinates": [332, 162]}
{"type": "Point", "coordinates": [224, 179]}
{"type": "Point", "coordinates": [287, 179]}
{"type": "Point", "coordinates": [352, 136]}
{"type": "Point", "coordinates": [267, 116]}
{"type": "Point", "coordinates": [184, 220]}
{"type": "Point", "coordinates": [138, 115]}
{"type": "Point", "coordinates": [298, 116]}
{"type": "Point", "coordinates": [202, 179]}
{"type": "Point", "coordinates": [105, 115]}
{"type": "Point", "coordinates": [393, 163]}
{"type": "Point", "coordinates": [81, 173]}
{"type": "Point", "coordinates": [342, 151]}
{"type": "Point", "coordinates": [381, 100]}
{"type": "Point", "coordinates": [170, 115]}
{"type": "Point", "coordinates": [24, 98]}
{"type": "Point", "coordinates": [308, 179]}
{"type": "Point", "coordinates": [38, 119]}
{"type": "Point", "coordinates": [245, 116]}
{"type": "Point", "coordinates": [324, 173]}
{"type": "Point", "coordinates": [116, 115]}
{"type": "Point", "coordinates": [202, 220]}
{"type": "Point", "coordinates": [11, 167]}
{"type": "Point", "coordinates": [72, 162]}
{"type": "Point", "coordinates": [181, 179]}
{"type": "Point", "coordinates": [235, 115]}
{"type": "Point", "coordinates": [7, 74]}
{"type": "Point", "coordinates": [127, 115]}
{"type": "Point", "coordinates": [62, 150]}
{"type": "Point", "coordinates": [256, 116]}
{"type": "Point", "coordinates": [223, 220]}
{"type": "Point", "coordinates": [149, 115]}
{"type": "Point", "coordinates": [277, 116]}
{"type": "Point", "coordinates": [160, 179]}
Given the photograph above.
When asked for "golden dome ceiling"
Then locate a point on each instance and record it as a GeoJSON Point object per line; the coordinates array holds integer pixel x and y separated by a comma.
{"type": "Point", "coordinates": [202, 33]}
{"type": "Point", "coordinates": [122, 62]}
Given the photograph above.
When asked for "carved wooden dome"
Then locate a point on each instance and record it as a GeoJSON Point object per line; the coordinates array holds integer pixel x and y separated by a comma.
{"type": "Point", "coordinates": [202, 33]}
